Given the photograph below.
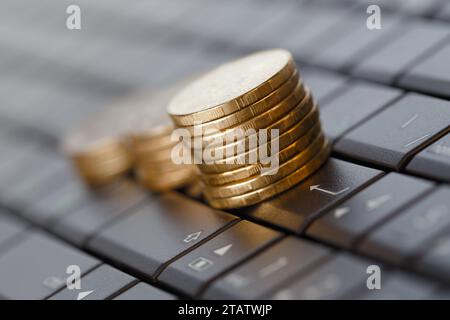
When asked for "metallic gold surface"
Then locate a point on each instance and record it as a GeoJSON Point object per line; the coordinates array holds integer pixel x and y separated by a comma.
{"type": "Point", "coordinates": [224, 113]}
{"type": "Point", "coordinates": [231, 87]}
{"type": "Point", "coordinates": [228, 150]}
{"type": "Point", "coordinates": [286, 138]}
{"type": "Point", "coordinates": [247, 171]}
{"type": "Point", "coordinates": [166, 181]}
{"type": "Point", "coordinates": [259, 181]}
{"type": "Point", "coordinates": [134, 132]}
{"type": "Point", "coordinates": [284, 184]}
{"type": "Point", "coordinates": [283, 115]}
{"type": "Point", "coordinates": [253, 110]}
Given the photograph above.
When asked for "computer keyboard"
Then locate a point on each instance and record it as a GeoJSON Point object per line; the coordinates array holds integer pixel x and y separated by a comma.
{"type": "Point", "coordinates": [382, 199]}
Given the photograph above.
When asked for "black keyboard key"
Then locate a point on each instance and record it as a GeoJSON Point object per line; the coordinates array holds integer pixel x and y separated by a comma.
{"type": "Point", "coordinates": [13, 152]}
{"type": "Point", "coordinates": [263, 273]}
{"type": "Point", "coordinates": [444, 13]}
{"type": "Point", "coordinates": [398, 286]}
{"type": "Point", "coordinates": [160, 231]}
{"type": "Point", "coordinates": [322, 84]}
{"type": "Point", "coordinates": [36, 267]}
{"type": "Point", "coordinates": [313, 34]}
{"type": "Point", "coordinates": [330, 281]}
{"type": "Point", "coordinates": [99, 284]}
{"type": "Point", "coordinates": [339, 114]}
{"type": "Point", "coordinates": [391, 137]}
{"type": "Point", "coordinates": [435, 260]}
{"type": "Point", "coordinates": [143, 291]}
{"type": "Point", "coordinates": [25, 166]}
{"type": "Point", "coordinates": [79, 225]}
{"type": "Point", "coordinates": [434, 161]}
{"type": "Point", "coordinates": [419, 7]}
{"type": "Point", "coordinates": [193, 271]}
{"type": "Point", "coordinates": [385, 64]}
{"type": "Point", "coordinates": [38, 184]}
{"type": "Point", "coordinates": [430, 75]}
{"type": "Point", "coordinates": [413, 7]}
{"type": "Point", "coordinates": [297, 207]}
{"type": "Point", "coordinates": [406, 234]}
{"type": "Point", "coordinates": [270, 33]}
{"type": "Point", "coordinates": [354, 218]}
{"type": "Point", "coordinates": [9, 227]}
{"type": "Point", "coordinates": [68, 198]}
{"type": "Point", "coordinates": [355, 45]}
{"type": "Point", "coordinates": [442, 293]}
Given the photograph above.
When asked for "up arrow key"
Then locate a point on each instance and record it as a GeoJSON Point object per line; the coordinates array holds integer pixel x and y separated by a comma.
{"type": "Point", "coordinates": [192, 237]}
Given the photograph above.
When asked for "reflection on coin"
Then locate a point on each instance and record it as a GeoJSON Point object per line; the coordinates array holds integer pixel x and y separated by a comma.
{"type": "Point", "coordinates": [253, 110]}
{"type": "Point", "coordinates": [231, 87]}
{"type": "Point", "coordinates": [259, 181]}
{"type": "Point", "coordinates": [94, 143]}
{"type": "Point", "coordinates": [262, 194]}
{"type": "Point", "coordinates": [247, 171]}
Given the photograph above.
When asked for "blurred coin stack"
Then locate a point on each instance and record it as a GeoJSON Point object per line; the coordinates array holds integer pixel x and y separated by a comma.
{"type": "Point", "coordinates": [257, 92]}
{"type": "Point", "coordinates": [149, 137]}
{"type": "Point", "coordinates": [98, 149]}
{"type": "Point", "coordinates": [133, 134]}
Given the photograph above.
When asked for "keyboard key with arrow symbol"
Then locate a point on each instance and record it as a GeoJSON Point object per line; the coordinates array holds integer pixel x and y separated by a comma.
{"type": "Point", "coordinates": [99, 284]}
{"type": "Point", "coordinates": [296, 208]}
{"type": "Point", "coordinates": [192, 272]}
{"type": "Point", "coordinates": [355, 217]}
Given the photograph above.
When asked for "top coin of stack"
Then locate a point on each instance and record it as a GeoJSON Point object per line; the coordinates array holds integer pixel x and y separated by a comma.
{"type": "Point", "coordinates": [232, 110]}
{"type": "Point", "coordinates": [136, 132]}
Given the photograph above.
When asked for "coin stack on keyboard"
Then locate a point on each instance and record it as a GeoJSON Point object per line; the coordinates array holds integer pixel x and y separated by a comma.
{"type": "Point", "coordinates": [151, 144]}
{"type": "Point", "coordinates": [257, 92]}
{"type": "Point", "coordinates": [98, 148]}
{"type": "Point", "coordinates": [134, 134]}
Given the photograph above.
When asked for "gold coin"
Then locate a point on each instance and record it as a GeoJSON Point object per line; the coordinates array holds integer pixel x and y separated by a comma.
{"type": "Point", "coordinates": [245, 172]}
{"type": "Point", "coordinates": [163, 173]}
{"type": "Point", "coordinates": [109, 164]}
{"type": "Point", "coordinates": [163, 155]}
{"type": "Point", "coordinates": [145, 115]}
{"type": "Point", "coordinates": [262, 194]}
{"type": "Point", "coordinates": [285, 139]}
{"type": "Point", "coordinates": [167, 182]}
{"type": "Point", "coordinates": [251, 111]}
{"type": "Point", "coordinates": [102, 172]}
{"type": "Point", "coordinates": [148, 126]}
{"type": "Point", "coordinates": [272, 175]}
{"type": "Point", "coordinates": [143, 143]}
{"type": "Point", "coordinates": [263, 120]}
{"type": "Point", "coordinates": [101, 153]}
{"type": "Point", "coordinates": [95, 142]}
{"type": "Point", "coordinates": [216, 152]}
{"type": "Point", "coordinates": [104, 136]}
{"type": "Point", "coordinates": [231, 87]}
{"type": "Point", "coordinates": [161, 167]}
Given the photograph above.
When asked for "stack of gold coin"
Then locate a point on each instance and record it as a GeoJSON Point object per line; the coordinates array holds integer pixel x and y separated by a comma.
{"type": "Point", "coordinates": [149, 136]}
{"type": "Point", "coordinates": [133, 134]}
{"type": "Point", "coordinates": [99, 149]}
{"type": "Point", "coordinates": [254, 129]}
